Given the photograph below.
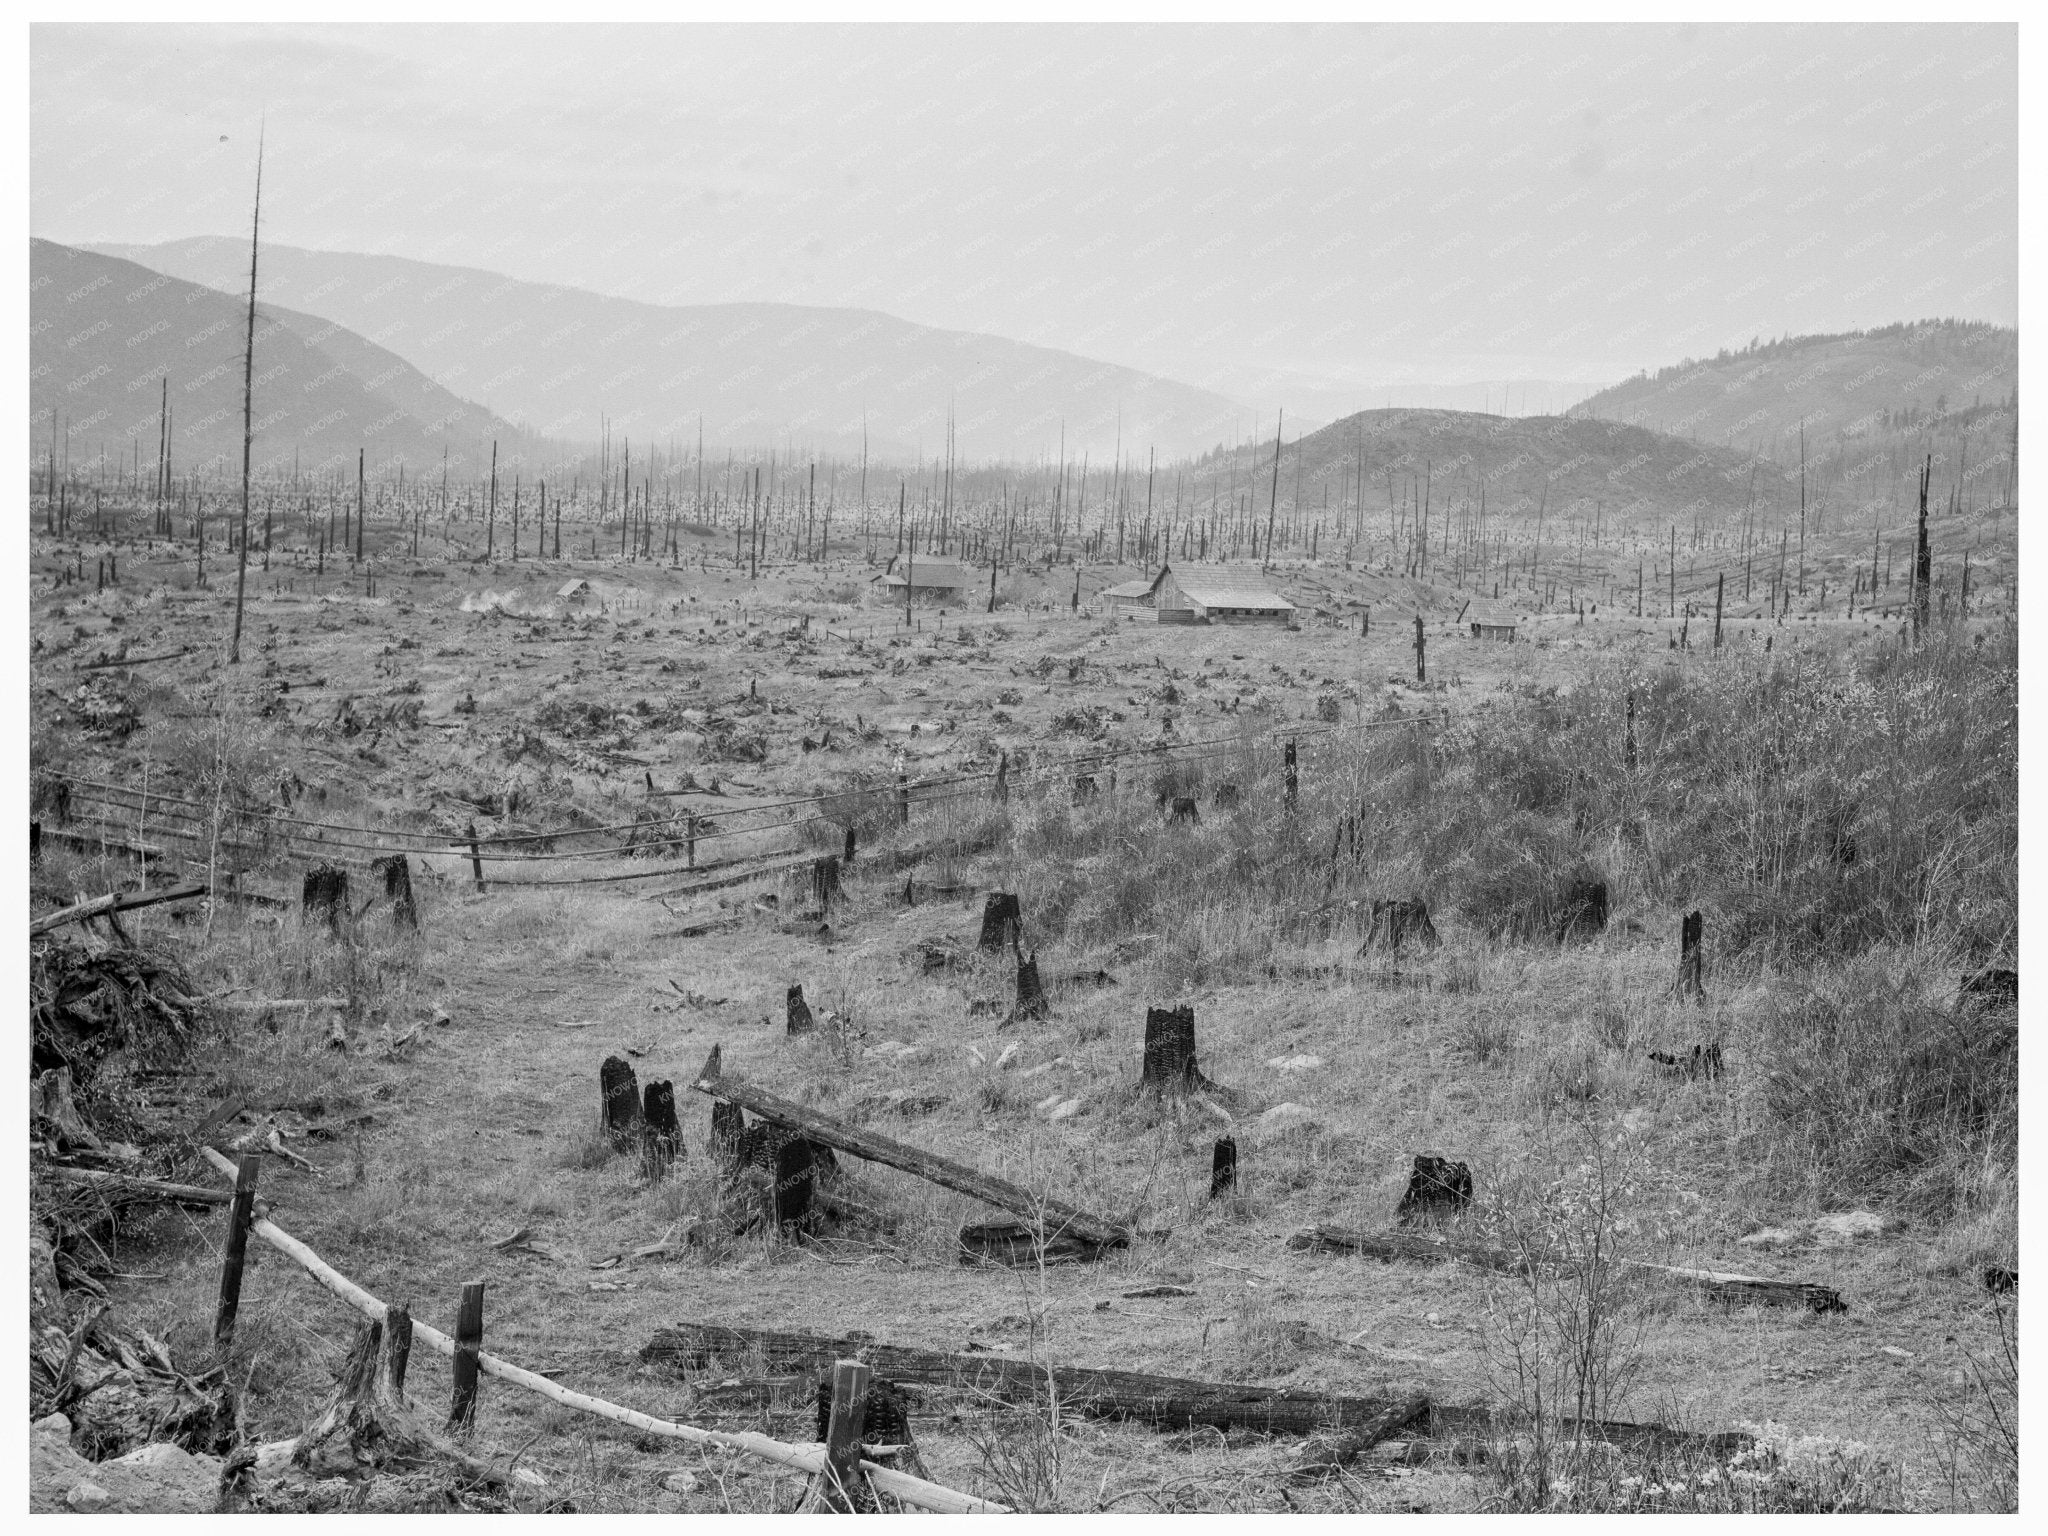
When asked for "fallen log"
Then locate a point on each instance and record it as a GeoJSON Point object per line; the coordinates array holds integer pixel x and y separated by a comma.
{"type": "Point", "coordinates": [1059, 1218]}
{"type": "Point", "coordinates": [1329, 1453]}
{"type": "Point", "coordinates": [804, 1458]}
{"type": "Point", "coordinates": [135, 1187]}
{"type": "Point", "coordinates": [1413, 1247]}
{"type": "Point", "coordinates": [118, 901]}
{"type": "Point", "coordinates": [1166, 1402]}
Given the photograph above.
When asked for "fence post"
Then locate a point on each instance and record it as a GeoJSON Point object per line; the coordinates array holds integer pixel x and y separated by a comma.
{"type": "Point", "coordinates": [1690, 933]}
{"type": "Point", "coordinates": [1002, 777]}
{"type": "Point", "coordinates": [469, 1343]}
{"type": "Point", "coordinates": [1421, 673]}
{"type": "Point", "coordinates": [846, 857]}
{"type": "Point", "coordinates": [476, 863]}
{"type": "Point", "coordinates": [842, 1434]}
{"type": "Point", "coordinates": [902, 800]}
{"type": "Point", "coordinates": [690, 838]}
{"type": "Point", "coordinates": [239, 1216]}
{"type": "Point", "coordinates": [1293, 776]}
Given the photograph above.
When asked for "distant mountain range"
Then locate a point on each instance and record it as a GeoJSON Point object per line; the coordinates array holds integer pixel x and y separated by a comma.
{"type": "Point", "coordinates": [560, 361]}
{"type": "Point", "coordinates": [105, 335]}
{"type": "Point", "coordinates": [1861, 384]}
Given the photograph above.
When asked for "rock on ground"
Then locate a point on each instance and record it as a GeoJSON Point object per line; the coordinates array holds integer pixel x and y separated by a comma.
{"type": "Point", "coordinates": [159, 1478]}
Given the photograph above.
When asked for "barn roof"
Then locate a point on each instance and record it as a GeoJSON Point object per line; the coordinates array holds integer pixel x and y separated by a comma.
{"type": "Point", "coordinates": [1129, 589]}
{"type": "Point", "coordinates": [573, 588]}
{"type": "Point", "coordinates": [1230, 589]}
{"type": "Point", "coordinates": [931, 573]}
{"type": "Point", "coordinates": [1493, 613]}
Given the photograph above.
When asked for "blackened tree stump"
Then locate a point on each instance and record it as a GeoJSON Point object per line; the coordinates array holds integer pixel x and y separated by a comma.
{"type": "Point", "coordinates": [1396, 923]}
{"type": "Point", "coordinates": [794, 1178]}
{"type": "Point", "coordinates": [1031, 1003]}
{"type": "Point", "coordinates": [1582, 914]}
{"type": "Point", "coordinates": [1690, 966]}
{"type": "Point", "coordinates": [661, 1134]}
{"type": "Point", "coordinates": [1170, 1065]}
{"type": "Point", "coordinates": [1437, 1188]}
{"type": "Point", "coordinates": [886, 1421]}
{"type": "Point", "coordinates": [728, 1131]}
{"type": "Point", "coordinates": [397, 876]}
{"type": "Point", "coordinates": [1184, 810]}
{"type": "Point", "coordinates": [1002, 922]}
{"type": "Point", "coordinates": [800, 1020]}
{"type": "Point", "coordinates": [325, 892]}
{"type": "Point", "coordinates": [1223, 1168]}
{"type": "Point", "coordinates": [825, 887]}
{"type": "Point", "coordinates": [619, 1095]}
{"type": "Point", "coordinates": [1226, 797]}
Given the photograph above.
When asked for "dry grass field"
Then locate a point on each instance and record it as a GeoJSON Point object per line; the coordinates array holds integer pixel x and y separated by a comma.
{"type": "Point", "coordinates": [1841, 807]}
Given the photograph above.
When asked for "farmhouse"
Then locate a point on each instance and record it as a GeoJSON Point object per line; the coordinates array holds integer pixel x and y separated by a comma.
{"type": "Point", "coordinates": [1127, 597]}
{"type": "Point", "coordinates": [1491, 620]}
{"type": "Point", "coordinates": [1222, 597]}
{"type": "Point", "coordinates": [940, 579]}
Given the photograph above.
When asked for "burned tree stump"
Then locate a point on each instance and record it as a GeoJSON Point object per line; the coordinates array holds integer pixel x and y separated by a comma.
{"type": "Point", "coordinates": [1690, 967]}
{"type": "Point", "coordinates": [1184, 810]}
{"type": "Point", "coordinates": [1002, 922]}
{"type": "Point", "coordinates": [800, 1020]}
{"type": "Point", "coordinates": [728, 1131]}
{"type": "Point", "coordinates": [661, 1140]}
{"type": "Point", "coordinates": [1031, 1003]}
{"type": "Point", "coordinates": [1704, 1062]}
{"type": "Point", "coordinates": [794, 1180]}
{"type": "Point", "coordinates": [1170, 1065]}
{"type": "Point", "coordinates": [825, 886]}
{"type": "Point", "coordinates": [397, 876]}
{"type": "Point", "coordinates": [1223, 1168]}
{"type": "Point", "coordinates": [1437, 1188]}
{"type": "Point", "coordinates": [325, 892]}
{"type": "Point", "coordinates": [1396, 922]}
{"type": "Point", "coordinates": [1226, 797]}
{"type": "Point", "coordinates": [1582, 914]}
{"type": "Point", "coordinates": [619, 1094]}
{"type": "Point", "coordinates": [1085, 787]}
{"type": "Point", "coordinates": [885, 1421]}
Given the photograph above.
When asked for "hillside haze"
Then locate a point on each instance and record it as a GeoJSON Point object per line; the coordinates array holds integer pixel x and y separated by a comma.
{"type": "Point", "coordinates": [105, 333]}
{"type": "Point", "coordinates": [1858, 384]}
{"type": "Point", "coordinates": [561, 361]}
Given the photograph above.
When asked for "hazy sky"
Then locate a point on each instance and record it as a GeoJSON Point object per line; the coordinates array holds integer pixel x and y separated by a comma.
{"type": "Point", "coordinates": [1260, 210]}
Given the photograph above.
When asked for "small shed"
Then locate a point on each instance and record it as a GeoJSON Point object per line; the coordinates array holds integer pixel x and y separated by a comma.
{"type": "Point", "coordinates": [575, 594]}
{"type": "Point", "coordinates": [1491, 620]}
{"type": "Point", "coordinates": [1222, 597]}
{"type": "Point", "coordinates": [1128, 597]}
{"type": "Point", "coordinates": [941, 579]}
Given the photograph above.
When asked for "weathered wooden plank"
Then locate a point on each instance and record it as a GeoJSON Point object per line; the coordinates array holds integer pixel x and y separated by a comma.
{"type": "Point", "coordinates": [118, 901]}
{"type": "Point", "coordinates": [1060, 1218]}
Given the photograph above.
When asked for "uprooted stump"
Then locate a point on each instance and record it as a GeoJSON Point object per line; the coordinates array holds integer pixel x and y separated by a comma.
{"type": "Point", "coordinates": [1002, 922]}
{"type": "Point", "coordinates": [800, 1020]}
{"type": "Point", "coordinates": [661, 1133]}
{"type": "Point", "coordinates": [325, 893]}
{"type": "Point", "coordinates": [1437, 1188]}
{"type": "Point", "coordinates": [1397, 923]}
{"type": "Point", "coordinates": [619, 1102]}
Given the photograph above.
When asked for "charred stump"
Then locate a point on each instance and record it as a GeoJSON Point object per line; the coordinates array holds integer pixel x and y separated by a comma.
{"type": "Point", "coordinates": [800, 1020]}
{"type": "Point", "coordinates": [661, 1133]}
{"type": "Point", "coordinates": [1031, 1003]}
{"type": "Point", "coordinates": [325, 892]}
{"type": "Point", "coordinates": [1226, 797]}
{"type": "Point", "coordinates": [728, 1132]}
{"type": "Point", "coordinates": [825, 886]}
{"type": "Point", "coordinates": [1184, 810]}
{"type": "Point", "coordinates": [619, 1095]}
{"type": "Point", "coordinates": [885, 1421]}
{"type": "Point", "coordinates": [1002, 922]}
{"type": "Point", "coordinates": [1170, 1065]}
{"type": "Point", "coordinates": [397, 876]}
{"type": "Point", "coordinates": [1437, 1188]}
{"type": "Point", "coordinates": [1396, 922]}
{"type": "Point", "coordinates": [1223, 1168]}
{"type": "Point", "coordinates": [1583, 912]}
{"type": "Point", "coordinates": [1690, 965]}
{"type": "Point", "coordinates": [794, 1181]}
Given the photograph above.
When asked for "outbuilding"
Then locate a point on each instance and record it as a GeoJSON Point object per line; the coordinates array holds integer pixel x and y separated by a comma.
{"type": "Point", "coordinates": [1127, 597]}
{"type": "Point", "coordinates": [1491, 620]}
{"type": "Point", "coordinates": [939, 579]}
{"type": "Point", "coordinates": [1221, 597]}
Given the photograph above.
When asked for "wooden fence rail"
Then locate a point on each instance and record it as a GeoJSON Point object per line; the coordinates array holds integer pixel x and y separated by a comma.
{"type": "Point", "coordinates": [811, 1458]}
